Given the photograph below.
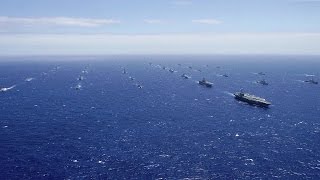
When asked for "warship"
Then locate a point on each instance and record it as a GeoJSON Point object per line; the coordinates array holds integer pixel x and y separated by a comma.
{"type": "Point", "coordinates": [139, 86]}
{"type": "Point", "coordinates": [29, 79]}
{"type": "Point", "coordinates": [80, 78]}
{"type": "Point", "coordinates": [262, 73]}
{"type": "Point", "coordinates": [84, 72]}
{"type": "Point", "coordinates": [263, 82]}
{"type": "Point", "coordinates": [251, 99]}
{"type": "Point", "coordinates": [206, 83]}
{"type": "Point", "coordinates": [225, 75]}
{"type": "Point", "coordinates": [185, 76]}
{"type": "Point", "coordinates": [3, 89]}
{"type": "Point", "coordinates": [78, 87]}
{"type": "Point", "coordinates": [311, 81]}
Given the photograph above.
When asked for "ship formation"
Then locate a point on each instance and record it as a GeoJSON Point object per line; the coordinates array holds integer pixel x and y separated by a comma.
{"type": "Point", "coordinates": [241, 96]}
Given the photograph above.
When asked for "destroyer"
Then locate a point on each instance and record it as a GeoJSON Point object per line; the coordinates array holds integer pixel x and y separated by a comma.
{"type": "Point", "coordinates": [3, 89]}
{"type": "Point", "coordinates": [80, 78]}
{"type": "Point", "coordinates": [251, 99]}
{"type": "Point", "coordinates": [311, 81]}
{"type": "Point", "coordinates": [185, 76]}
{"type": "Point", "coordinates": [263, 82]}
{"type": "Point", "coordinates": [78, 87]}
{"type": "Point", "coordinates": [29, 79]}
{"type": "Point", "coordinates": [206, 83]}
{"type": "Point", "coordinates": [139, 86]}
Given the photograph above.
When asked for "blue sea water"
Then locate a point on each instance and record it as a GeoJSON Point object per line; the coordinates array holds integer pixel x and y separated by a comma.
{"type": "Point", "coordinates": [172, 128]}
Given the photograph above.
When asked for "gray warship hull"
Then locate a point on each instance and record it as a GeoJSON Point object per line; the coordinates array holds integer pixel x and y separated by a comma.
{"type": "Point", "coordinates": [207, 84]}
{"type": "Point", "coordinates": [251, 100]}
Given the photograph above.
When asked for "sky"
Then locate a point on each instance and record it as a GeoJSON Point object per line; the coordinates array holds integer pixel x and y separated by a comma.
{"type": "Point", "coordinates": [73, 27]}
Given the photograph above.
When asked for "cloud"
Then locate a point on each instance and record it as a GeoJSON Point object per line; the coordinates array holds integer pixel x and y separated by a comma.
{"type": "Point", "coordinates": [311, 3]}
{"type": "Point", "coordinates": [154, 21]}
{"type": "Point", "coordinates": [55, 21]}
{"type": "Point", "coordinates": [195, 43]}
{"type": "Point", "coordinates": [182, 3]}
{"type": "Point", "coordinates": [307, 1]}
{"type": "Point", "coordinates": [207, 21]}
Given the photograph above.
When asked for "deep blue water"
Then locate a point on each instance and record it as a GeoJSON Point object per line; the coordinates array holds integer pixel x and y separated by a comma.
{"type": "Point", "coordinates": [172, 128]}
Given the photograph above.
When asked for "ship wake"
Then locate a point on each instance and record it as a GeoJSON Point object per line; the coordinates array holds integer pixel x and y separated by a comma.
{"type": "Point", "coordinates": [228, 93]}
{"type": "Point", "coordinates": [7, 89]}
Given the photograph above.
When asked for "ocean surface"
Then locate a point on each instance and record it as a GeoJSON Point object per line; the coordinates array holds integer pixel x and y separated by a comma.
{"type": "Point", "coordinates": [84, 118]}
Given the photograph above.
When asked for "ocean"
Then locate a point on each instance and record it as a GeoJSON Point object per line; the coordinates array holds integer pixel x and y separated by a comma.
{"type": "Point", "coordinates": [82, 117]}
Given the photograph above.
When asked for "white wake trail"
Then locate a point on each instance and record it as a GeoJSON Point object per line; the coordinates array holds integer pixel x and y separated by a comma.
{"type": "Point", "coordinates": [7, 89]}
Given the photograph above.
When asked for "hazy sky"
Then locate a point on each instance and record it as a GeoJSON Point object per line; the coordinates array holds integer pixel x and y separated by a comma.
{"type": "Point", "coordinates": [159, 27]}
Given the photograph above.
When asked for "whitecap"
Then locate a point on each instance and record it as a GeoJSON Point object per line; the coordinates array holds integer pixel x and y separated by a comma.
{"type": "Point", "coordinates": [152, 166]}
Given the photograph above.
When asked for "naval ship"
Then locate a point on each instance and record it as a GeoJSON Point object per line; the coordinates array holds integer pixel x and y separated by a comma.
{"type": "Point", "coordinates": [185, 76]}
{"type": "Point", "coordinates": [3, 89]}
{"type": "Point", "coordinates": [263, 82]}
{"type": "Point", "coordinates": [311, 81]}
{"type": "Point", "coordinates": [80, 78]}
{"type": "Point", "coordinates": [206, 83]}
{"type": "Point", "coordinates": [251, 99]}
